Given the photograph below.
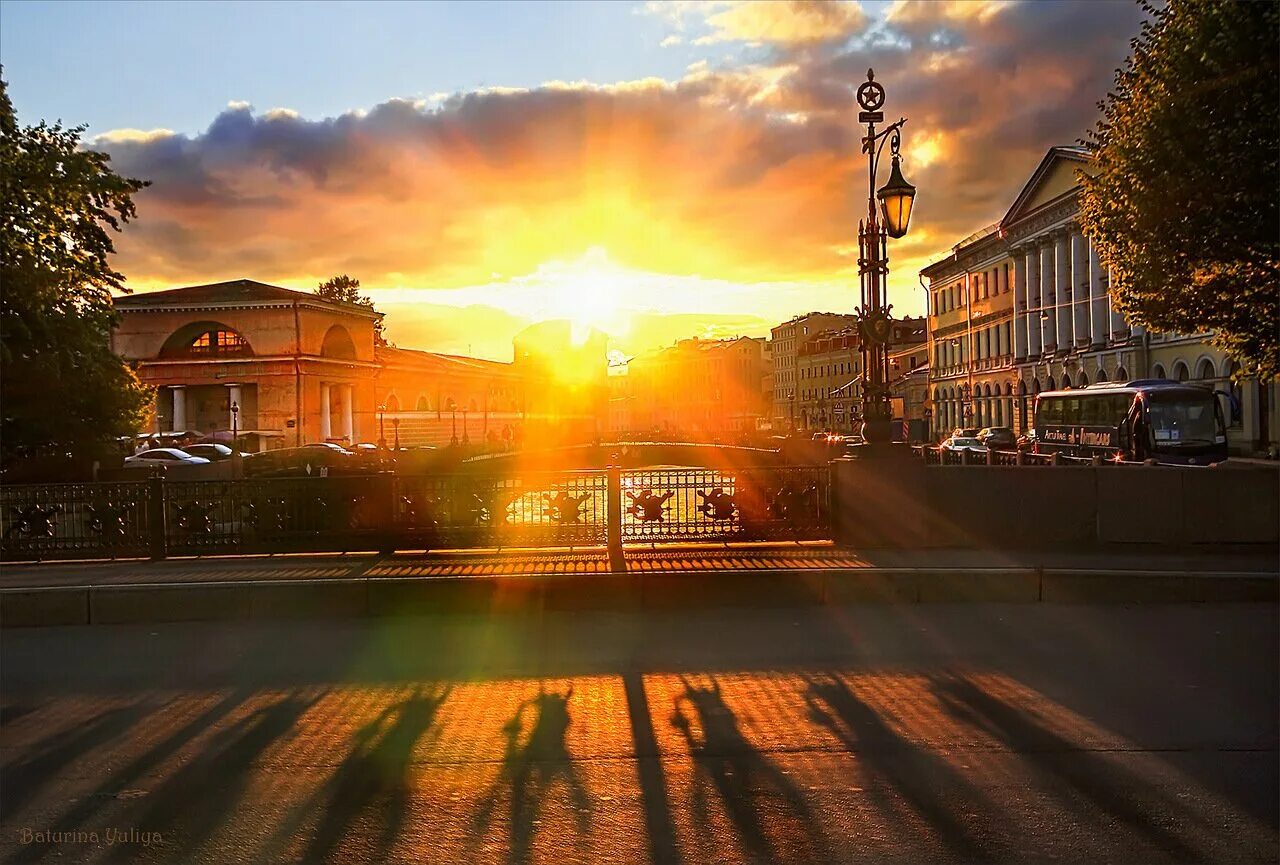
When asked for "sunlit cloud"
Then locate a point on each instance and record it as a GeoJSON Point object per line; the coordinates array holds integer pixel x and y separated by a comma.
{"type": "Point", "coordinates": [734, 190]}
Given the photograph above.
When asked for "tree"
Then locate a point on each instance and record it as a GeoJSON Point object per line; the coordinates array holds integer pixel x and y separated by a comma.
{"type": "Point", "coordinates": [1183, 207]}
{"type": "Point", "coordinates": [62, 388]}
{"type": "Point", "coordinates": [344, 289]}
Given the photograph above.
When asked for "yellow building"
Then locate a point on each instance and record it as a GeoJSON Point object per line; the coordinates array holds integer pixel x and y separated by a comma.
{"type": "Point", "coordinates": [1025, 306]}
{"type": "Point", "coordinates": [971, 337]}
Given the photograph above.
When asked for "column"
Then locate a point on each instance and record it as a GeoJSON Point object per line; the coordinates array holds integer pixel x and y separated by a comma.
{"type": "Point", "coordinates": [1080, 288]}
{"type": "Point", "coordinates": [1062, 288]}
{"type": "Point", "coordinates": [234, 397]}
{"type": "Point", "coordinates": [1035, 341]}
{"type": "Point", "coordinates": [1048, 320]}
{"type": "Point", "coordinates": [1116, 319]}
{"type": "Point", "coordinates": [326, 420]}
{"type": "Point", "coordinates": [1099, 325]}
{"type": "Point", "coordinates": [1019, 307]}
{"type": "Point", "coordinates": [179, 408]}
{"type": "Point", "coordinates": [348, 425]}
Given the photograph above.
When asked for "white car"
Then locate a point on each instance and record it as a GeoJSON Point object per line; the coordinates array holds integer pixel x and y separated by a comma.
{"type": "Point", "coordinates": [163, 457]}
{"type": "Point", "coordinates": [959, 444]}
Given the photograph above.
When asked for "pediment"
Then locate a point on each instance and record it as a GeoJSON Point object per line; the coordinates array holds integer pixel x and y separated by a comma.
{"type": "Point", "coordinates": [1053, 180]}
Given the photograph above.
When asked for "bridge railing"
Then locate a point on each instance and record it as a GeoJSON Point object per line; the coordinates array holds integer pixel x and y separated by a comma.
{"type": "Point", "coordinates": [161, 516]}
{"type": "Point", "coordinates": [934, 455]}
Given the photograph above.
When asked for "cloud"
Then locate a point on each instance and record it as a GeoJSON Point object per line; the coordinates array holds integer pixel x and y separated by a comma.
{"type": "Point", "coordinates": [784, 22]}
{"type": "Point", "coordinates": [743, 172]}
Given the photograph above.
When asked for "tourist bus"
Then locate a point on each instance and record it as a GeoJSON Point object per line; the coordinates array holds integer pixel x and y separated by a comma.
{"type": "Point", "coordinates": [1170, 422]}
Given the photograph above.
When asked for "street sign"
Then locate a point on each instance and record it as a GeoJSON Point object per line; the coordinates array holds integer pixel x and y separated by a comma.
{"type": "Point", "coordinates": [839, 409]}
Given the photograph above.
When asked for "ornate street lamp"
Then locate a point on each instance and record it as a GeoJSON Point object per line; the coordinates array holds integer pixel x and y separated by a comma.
{"type": "Point", "coordinates": [235, 439]}
{"type": "Point", "coordinates": [382, 426]}
{"type": "Point", "coordinates": [889, 220]}
{"type": "Point", "coordinates": [395, 425]}
{"type": "Point", "coordinates": [452, 406]}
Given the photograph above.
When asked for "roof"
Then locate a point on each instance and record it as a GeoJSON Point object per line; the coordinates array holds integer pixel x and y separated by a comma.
{"type": "Point", "coordinates": [233, 292]}
{"type": "Point", "coordinates": [437, 362]}
{"type": "Point", "coordinates": [1072, 152]}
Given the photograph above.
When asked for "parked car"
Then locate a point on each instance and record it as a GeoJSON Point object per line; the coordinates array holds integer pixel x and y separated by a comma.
{"type": "Point", "coordinates": [313, 460]}
{"type": "Point", "coordinates": [997, 437]}
{"type": "Point", "coordinates": [214, 453]}
{"type": "Point", "coordinates": [959, 444]}
{"type": "Point", "coordinates": [965, 432]}
{"type": "Point", "coordinates": [163, 457]}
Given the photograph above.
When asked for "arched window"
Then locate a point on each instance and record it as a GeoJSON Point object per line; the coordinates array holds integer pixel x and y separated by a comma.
{"type": "Point", "coordinates": [1180, 372]}
{"type": "Point", "coordinates": [1157, 371]}
{"type": "Point", "coordinates": [1102, 375]}
{"type": "Point", "coordinates": [219, 342]}
{"type": "Point", "coordinates": [206, 339]}
{"type": "Point", "coordinates": [337, 343]}
{"type": "Point", "coordinates": [1066, 381]}
{"type": "Point", "coordinates": [393, 403]}
{"type": "Point", "coordinates": [1049, 384]}
{"type": "Point", "coordinates": [423, 404]}
{"type": "Point", "coordinates": [1204, 369]}
{"type": "Point", "coordinates": [1122, 374]}
{"type": "Point", "coordinates": [1084, 380]}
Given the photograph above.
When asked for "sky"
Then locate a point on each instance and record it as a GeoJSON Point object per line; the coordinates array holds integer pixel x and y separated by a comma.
{"type": "Point", "coordinates": [659, 170]}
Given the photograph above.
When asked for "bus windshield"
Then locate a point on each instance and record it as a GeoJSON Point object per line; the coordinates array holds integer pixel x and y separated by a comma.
{"type": "Point", "coordinates": [1178, 420]}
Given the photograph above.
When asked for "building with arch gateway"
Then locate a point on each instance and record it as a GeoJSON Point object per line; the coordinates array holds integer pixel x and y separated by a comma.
{"type": "Point", "coordinates": [300, 369]}
{"type": "Point", "coordinates": [1024, 306]}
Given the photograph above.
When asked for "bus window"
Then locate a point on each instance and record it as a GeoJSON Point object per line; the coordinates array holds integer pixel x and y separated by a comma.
{"type": "Point", "coordinates": [1118, 406]}
{"type": "Point", "coordinates": [1049, 412]}
{"type": "Point", "coordinates": [1071, 411]}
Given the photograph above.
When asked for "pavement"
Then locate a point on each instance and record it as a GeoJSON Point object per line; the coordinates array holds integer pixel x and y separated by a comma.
{"type": "Point", "coordinates": [935, 733]}
{"type": "Point", "coordinates": [667, 559]}
{"type": "Point", "coordinates": [709, 577]}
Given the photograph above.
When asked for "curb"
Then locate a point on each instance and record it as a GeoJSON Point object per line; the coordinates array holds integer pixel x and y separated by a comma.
{"type": "Point", "coordinates": [649, 590]}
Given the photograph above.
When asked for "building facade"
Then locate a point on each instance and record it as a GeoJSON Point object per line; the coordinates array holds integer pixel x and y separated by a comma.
{"type": "Point", "coordinates": [699, 388]}
{"type": "Point", "coordinates": [295, 368]}
{"type": "Point", "coordinates": [299, 369]}
{"type": "Point", "coordinates": [785, 341]}
{"type": "Point", "coordinates": [1025, 306]}
{"type": "Point", "coordinates": [970, 345]}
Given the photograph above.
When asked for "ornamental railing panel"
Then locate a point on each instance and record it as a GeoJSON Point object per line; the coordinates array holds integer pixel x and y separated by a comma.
{"type": "Point", "coordinates": [74, 521]}
{"type": "Point", "coordinates": [689, 504]}
{"type": "Point", "coordinates": [471, 510]}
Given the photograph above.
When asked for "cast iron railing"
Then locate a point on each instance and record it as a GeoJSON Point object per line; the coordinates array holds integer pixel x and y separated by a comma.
{"type": "Point", "coordinates": [171, 516]}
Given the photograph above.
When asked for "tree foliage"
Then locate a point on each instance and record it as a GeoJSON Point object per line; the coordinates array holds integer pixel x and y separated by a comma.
{"type": "Point", "coordinates": [1183, 206]}
{"type": "Point", "coordinates": [61, 386]}
{"type": "Point", "coordinates": [344, 289]}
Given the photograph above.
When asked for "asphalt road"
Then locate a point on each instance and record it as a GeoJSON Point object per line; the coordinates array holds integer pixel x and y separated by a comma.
{"type": "Point", "coordinates": [944, 733]}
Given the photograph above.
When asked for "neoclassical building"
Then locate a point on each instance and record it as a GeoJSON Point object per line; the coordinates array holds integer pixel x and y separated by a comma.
{"type": "Point", "coordinates": [1052, 323]}
{"type": "Point", "coordinates": [297, 368]}
{"type": "Point", "coordinates": [971, 355]}
{"type": "Point", "coordinates": [1067, 332]}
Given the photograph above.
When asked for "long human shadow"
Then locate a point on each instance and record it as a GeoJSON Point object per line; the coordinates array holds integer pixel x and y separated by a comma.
{"type": "Point", "coordinates": [529, 771]}
{"type": "Point", "coordinates": [106, 792]}
{"type": "Point", "coordinates": [375, 773]}
{"type": "Point", "coordinates": [741, 775]}
{"type": "Point", "coordinates": [22, 780]}
{"type": "Point", "coordinates": [663, 848]}
{"type": "Point", "coordinates": [924, 782]}
{"type": "Point", "coordinates": [1104, 783]}
{"type": "Point", "coordinates": [189, 806]}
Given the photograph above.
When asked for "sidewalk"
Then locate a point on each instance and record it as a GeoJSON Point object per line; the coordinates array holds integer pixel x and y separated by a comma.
{"type": "Point", "coordinates": [682, 559]}
{"type": "Point", "coordinates": [529, 583]}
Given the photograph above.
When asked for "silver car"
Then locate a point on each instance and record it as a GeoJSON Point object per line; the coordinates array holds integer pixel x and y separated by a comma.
{"type": "Point", "coordinates": [167, 457]}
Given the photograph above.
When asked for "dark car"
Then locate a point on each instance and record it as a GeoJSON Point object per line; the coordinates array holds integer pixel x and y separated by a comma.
{"type": "Point", "coordinates": [997, 437]}
{"type": "Point", "coordinates": [214, 453]}
{"type": "Point", "coordinates": [301, 462]}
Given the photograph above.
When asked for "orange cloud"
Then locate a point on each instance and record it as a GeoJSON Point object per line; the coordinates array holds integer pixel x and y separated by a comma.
{"type": "Point", "coordinates": [746, 173]}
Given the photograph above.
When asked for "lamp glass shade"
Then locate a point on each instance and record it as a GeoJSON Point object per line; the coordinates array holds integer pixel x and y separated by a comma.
{"type": "Point", "coordinates": [896, 198]}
